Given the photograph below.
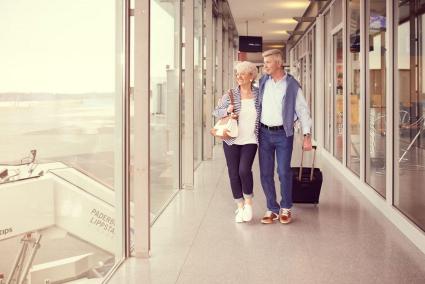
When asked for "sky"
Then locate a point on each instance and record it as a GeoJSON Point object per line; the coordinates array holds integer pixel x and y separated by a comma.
{"type": "Point", "coordinates": [57, 46]}
{"type": "Point", "coordinates": [63, 46]}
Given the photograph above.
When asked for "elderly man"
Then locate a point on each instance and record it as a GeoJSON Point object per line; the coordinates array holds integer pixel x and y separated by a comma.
{"type": "Point", "coordinates": [282, 103]}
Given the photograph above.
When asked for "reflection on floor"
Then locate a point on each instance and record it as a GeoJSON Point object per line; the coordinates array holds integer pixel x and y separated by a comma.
{"type": "Point", "coordinates": [344, 240]}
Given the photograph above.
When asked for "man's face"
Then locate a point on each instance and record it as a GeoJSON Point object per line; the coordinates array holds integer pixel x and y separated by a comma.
{"type": "Point", "coordinates": [270, 65]}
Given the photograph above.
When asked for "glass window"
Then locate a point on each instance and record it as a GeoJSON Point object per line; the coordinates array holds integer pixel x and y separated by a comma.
{"type": "Point", "coordinates": [353, 92]}
{"type": "Point", "coordinates": [206, 99]}
{"type": "Point", "coordinates": [197, 94]}
{"type": "Point", "coordinates": [165, 111]}
{"type": "Point", "coordinates": [376, 96]}
{"type": "Point", "coordinates": [61, 118]}
{"type": "Point", "coordinates": [328, 83]}
{"type": "Point", "coordinates": [334, 108]}
{"type": "Point", "coordinates": [338, 90]}
{"type": "Point", "coordinates": [303, 73]}
{"type": "Point", "coordinates": [310, 69]}
{"type": "Point", "coordinates": [216, 96]}
{"type": "Point", "coordinates": [313, 78]}
{"type": "Point", "coordinates": [336, 13]}
{"type": "Point", "coordinates": [409, 124]}
{"type": "Point", "coordinates": [132, 128]}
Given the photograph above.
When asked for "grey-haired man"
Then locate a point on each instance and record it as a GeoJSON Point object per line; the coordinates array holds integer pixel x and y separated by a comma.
{"type": "Point", "coordinates": [282, 102]}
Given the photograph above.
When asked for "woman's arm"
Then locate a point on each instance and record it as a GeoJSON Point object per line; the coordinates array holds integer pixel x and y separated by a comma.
{"type": "Point", "coordinates": [221, 108]}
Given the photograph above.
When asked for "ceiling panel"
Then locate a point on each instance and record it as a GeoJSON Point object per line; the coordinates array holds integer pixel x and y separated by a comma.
{"type": "Point", "coordinates": [267, 18]}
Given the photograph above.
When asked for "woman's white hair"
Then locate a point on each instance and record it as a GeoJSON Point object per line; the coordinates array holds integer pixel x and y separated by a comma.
{"type": "Point", "coordinates": [247, 67]}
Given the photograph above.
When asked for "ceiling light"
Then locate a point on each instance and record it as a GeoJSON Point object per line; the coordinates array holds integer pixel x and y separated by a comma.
{"type": "Point", "coordinates": [294, 4]}
{"type": "Point", "coordinates": [279, 32]}
{"type": "Point", "coordinates": [283, 21]}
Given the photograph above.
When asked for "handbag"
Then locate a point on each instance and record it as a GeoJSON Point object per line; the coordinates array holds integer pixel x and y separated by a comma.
{"type": "Point", "coordinates": [227, 124]}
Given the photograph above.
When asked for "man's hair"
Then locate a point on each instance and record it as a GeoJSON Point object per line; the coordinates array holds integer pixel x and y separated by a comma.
{"type": "Point", "coordinates": [276, 54]}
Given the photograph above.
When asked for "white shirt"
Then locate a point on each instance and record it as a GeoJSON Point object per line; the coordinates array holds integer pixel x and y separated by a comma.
{"type": "Point", "coordinates": [271, 113]}
{"type": "Point", "coordinates": [246, 123]}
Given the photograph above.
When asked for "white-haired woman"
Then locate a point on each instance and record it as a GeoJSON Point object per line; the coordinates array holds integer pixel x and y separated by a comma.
{"type": "Point", "coordinates": [240, 151]}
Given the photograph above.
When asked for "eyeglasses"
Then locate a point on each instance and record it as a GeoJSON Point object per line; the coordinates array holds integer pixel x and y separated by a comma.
{"type": "Point", "coordinates": [241, 74]}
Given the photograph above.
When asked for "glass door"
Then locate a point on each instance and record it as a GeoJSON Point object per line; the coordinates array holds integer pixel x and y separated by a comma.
{"type": "Point", "coordinates": [198, 82]}
{"type": "Point", "coordinates": [338, 98]}
{"type": "Point", "coordinates": [165, 102]}
{"type": "Point", "coordinates": [409, 103]}
{"type": "Point", "coordinates": [354, 72]}
{"type": "Point", "coordinates": [376, 96]}
{"type": "Point", "coordinates": [328, 83]}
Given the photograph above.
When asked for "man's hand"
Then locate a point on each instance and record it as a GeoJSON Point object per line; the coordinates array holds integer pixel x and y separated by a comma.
{"type": "Point", "coordinates": [307, 146]}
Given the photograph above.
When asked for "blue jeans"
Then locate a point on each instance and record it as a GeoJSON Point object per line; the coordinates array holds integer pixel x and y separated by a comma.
{"type": "Point", "coordinates": [274, 143]}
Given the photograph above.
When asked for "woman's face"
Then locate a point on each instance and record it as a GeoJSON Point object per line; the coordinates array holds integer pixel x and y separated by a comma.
{"type": "Point", "coordinates": [243, 78]}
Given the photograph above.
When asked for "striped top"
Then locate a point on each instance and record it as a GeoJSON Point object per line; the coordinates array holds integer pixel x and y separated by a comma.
{"type": "Point", "coordinates": [221, 109]}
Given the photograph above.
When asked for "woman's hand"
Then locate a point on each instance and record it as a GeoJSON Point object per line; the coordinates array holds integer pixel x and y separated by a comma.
{"type": "Point", "coordinates": [230, 109]}
{"type": "Point", "coordinates": [225, 135]}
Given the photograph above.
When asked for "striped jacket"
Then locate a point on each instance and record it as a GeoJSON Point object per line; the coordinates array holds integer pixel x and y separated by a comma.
{"type": "Point", "coordinates": [221, 109]}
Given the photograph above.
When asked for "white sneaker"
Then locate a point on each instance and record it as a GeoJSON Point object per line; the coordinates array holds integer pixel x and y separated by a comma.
{"type": "Point", "coordinates": [239, 215]}
{"type": "Point", "coordinates": [247, 213]}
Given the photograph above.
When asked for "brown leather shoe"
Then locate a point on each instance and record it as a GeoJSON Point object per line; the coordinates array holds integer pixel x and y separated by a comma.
{"type": "Point", "coordinates": [269, 217]}
{"type": "Point", "coordinates": [285, 216]}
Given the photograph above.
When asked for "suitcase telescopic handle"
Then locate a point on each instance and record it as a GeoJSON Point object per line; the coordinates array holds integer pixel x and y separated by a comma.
{"type": "Point", "coordinates": [312, 166]}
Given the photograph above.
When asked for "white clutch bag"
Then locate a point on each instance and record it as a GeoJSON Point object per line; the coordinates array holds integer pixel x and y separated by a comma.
{"type": "Point", "coordinates": [228, 124]}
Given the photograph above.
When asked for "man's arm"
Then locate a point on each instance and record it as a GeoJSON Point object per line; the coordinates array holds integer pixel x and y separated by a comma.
{"type": "Point", "coordinates": [303, 114]}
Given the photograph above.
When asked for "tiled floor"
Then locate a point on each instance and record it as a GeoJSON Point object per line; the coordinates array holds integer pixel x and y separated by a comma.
{"type": "Point", "coordinates": [344, 240]}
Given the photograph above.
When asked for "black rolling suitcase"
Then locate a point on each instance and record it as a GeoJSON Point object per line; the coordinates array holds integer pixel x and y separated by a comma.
{"type": "Point", "coordinates": [307, 182]}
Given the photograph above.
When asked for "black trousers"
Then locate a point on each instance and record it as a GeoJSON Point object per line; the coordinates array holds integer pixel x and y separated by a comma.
{"type": "Point", "coordinates": [239, 160]}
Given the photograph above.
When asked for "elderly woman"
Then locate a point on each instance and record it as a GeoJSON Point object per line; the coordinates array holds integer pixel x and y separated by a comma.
{"type": "Point", "coordinates": [240, 151]}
